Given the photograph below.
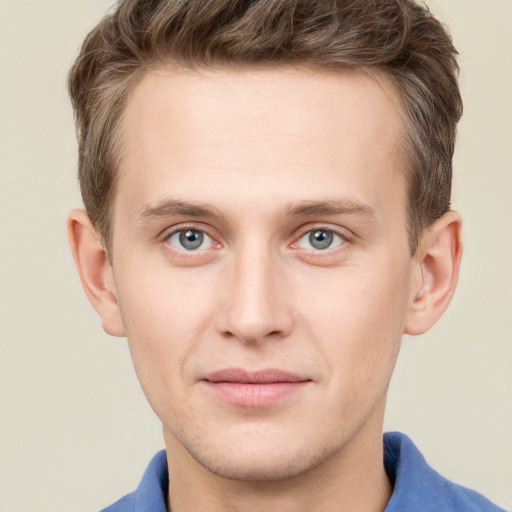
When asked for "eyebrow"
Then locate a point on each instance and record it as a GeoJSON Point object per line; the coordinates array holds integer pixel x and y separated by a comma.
{"type": "Point", "coordinates": [175, 207]}
{"type": "Point", "coordinates": [330, 207]}
{"type": "Point", "coordinates": [171, 207]}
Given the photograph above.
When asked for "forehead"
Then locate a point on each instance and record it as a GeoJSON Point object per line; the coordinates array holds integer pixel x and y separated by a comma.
{"type": "Point", "coordinates": [292, 130]}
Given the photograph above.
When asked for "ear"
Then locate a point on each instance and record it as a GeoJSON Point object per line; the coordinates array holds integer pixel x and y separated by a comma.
{"type": "Point", "coordinates": [95, 270]}
{"type": "Point", "coordinates": [437, 263]}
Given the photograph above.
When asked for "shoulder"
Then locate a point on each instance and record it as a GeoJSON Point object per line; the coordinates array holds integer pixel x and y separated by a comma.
{"type": "Point", "coordinates": [418, 487]}
{"type": "Point", "coordinates": [151, 493]}
{"type": "Point", "coordinates": [125, 504]}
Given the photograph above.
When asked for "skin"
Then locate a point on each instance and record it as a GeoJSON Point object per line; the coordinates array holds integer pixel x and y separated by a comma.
{"type": "Point", "coordinates": [256, 160]}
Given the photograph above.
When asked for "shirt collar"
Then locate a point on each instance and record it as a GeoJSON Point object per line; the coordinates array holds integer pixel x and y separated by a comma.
{"type": "Point", "coordinates": [419, 487]}
{"type": "Point", "coordinates": [151, 494]}
{"type": "Point", "coordinates": [416, 485]}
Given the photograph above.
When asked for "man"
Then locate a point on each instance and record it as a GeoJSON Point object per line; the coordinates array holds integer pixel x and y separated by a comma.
{"type": "Point", "coordinates": [267, 193]}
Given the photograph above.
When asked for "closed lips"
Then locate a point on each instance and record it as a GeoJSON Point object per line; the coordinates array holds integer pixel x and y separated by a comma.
{"type": "Point", "coordinates": [268, 376]}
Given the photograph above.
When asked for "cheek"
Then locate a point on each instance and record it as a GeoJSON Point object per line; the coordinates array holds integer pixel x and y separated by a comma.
{"type": "Point", "coordinates": [358, 321]}
{"type": "Point", "coordinates": [163, 317]}
{"type": "Point", "coordinates": [158, 301]}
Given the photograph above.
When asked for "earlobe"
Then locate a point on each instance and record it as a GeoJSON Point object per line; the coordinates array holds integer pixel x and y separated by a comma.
{"type": "Point", "coordinates": [438, 261]}
{"type": "Point", "coordinates": [95, 270]}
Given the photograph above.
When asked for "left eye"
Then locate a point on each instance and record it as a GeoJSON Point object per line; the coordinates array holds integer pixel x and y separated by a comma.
{"type": "Point", "coordinates": [320, 239]}
{"type": "Point", "coordinates": [190, 240]}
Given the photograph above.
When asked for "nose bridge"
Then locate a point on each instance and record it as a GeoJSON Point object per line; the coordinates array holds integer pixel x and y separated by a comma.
{"type": "Point", "coordinates": [256, 307]}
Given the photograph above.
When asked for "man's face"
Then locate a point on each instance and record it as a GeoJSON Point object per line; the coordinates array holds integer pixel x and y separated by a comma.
{"type": "Point", "coordinates": [261, 261]}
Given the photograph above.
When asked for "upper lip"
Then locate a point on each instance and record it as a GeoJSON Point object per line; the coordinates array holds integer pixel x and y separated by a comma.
{"type": "Point", "coordinates": [266, 376]}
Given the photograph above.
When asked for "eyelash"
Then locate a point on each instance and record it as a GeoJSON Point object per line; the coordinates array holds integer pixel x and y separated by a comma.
{"type": "Point", "coordinates": [167, 235]}
{"type": "Point", "coordinates": [345, 239]}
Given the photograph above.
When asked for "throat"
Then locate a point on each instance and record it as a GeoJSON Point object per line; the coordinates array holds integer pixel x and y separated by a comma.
{"type": "Point", "coordinates": [339, 483]}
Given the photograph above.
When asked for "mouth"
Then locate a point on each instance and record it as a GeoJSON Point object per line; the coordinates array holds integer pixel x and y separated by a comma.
{"type": "Point", "coordinates": [252, 389]}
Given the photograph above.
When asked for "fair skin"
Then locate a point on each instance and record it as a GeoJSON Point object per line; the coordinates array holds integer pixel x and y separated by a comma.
{"type": "Point", "coordinates": [260, 235]}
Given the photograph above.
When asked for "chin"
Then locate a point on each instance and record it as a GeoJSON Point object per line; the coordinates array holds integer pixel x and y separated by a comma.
{"type": "Point", "coordinates": [260, 461]}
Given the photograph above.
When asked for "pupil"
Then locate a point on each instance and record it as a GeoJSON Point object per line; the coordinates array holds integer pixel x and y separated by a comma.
{"type": "Point", "coordinates": [191, 239]}
{"type": "Point", "coordinates": [321, 239]}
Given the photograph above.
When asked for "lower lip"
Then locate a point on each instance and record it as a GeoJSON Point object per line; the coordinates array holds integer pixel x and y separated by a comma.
{"type": "Point", "coordinates": [255, 395]}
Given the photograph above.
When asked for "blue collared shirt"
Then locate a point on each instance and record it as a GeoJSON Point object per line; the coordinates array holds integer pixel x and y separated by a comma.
{"type": "Point", "coordinates": [417, 487]}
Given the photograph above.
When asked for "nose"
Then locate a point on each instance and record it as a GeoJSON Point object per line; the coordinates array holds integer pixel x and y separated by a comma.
{"type": "Point", "coordinates": [255, 304]}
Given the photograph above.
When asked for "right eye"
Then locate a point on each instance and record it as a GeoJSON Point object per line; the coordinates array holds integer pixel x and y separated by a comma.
{"type": "Point", "coordinates": [190, 240]}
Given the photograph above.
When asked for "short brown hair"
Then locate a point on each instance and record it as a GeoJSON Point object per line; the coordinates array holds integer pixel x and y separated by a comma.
{"type": "Point", "coordinates": [399, 37]}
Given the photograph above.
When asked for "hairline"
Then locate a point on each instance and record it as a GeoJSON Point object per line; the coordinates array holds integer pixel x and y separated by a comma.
{"type": "Point", "coordinates": [382, 77]}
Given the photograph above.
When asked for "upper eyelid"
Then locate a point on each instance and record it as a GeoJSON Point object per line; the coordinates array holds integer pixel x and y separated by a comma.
{"type": "Point", "coordinates": [186, 226]}
{"type": "Point", "coordinates": [298, 233]}
{"type": "Point", "coordinates": [183, 252]}
{"type": "Point", "coordinates": [211, 243]}
{"type": "Point", "coordinates": [333, 231]}
{"type": "Point", "coordinates": [344, 241]}
{"type": "Point", "coordinates": [342, 232]}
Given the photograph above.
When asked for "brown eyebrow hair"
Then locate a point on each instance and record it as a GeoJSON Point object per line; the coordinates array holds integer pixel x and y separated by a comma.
{"type": "Point", "coordinates": [169, 207]}
{"type": "Point", "coordinates": [330, 207]}
{"type": "Point", "coordinates": [400, 39]}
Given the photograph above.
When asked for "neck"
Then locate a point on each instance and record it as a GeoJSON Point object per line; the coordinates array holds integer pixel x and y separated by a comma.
{"type": "Point", "coordinates": [353, 479]}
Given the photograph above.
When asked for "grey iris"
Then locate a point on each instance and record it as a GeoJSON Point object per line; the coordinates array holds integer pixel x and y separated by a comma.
{"type": "Point", "coordinates": [191, 239]}
{"type": "Point", "coordinates": [320, 239]}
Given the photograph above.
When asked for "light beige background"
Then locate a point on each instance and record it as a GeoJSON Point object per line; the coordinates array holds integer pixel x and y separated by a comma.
{"type": "Point", "coordinates": [75, 430]}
